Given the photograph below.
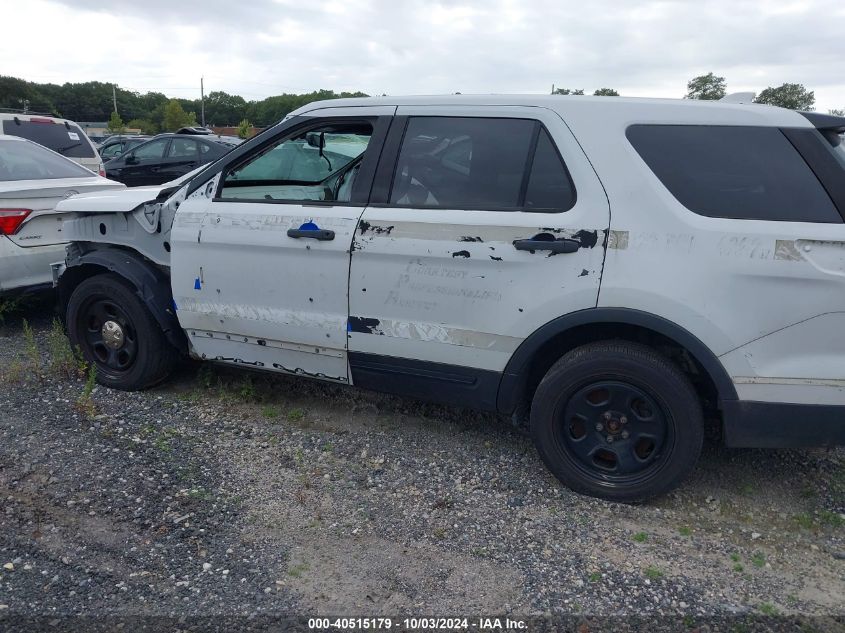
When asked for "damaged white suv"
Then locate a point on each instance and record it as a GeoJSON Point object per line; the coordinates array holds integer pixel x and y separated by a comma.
{"type": "Point", "coordinates": [614, 270]}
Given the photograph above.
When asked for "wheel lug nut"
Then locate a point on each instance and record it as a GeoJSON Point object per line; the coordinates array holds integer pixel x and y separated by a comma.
{"type": "Point", "coordinates": [623, 420]}
{"type": "Point", "coordinates": [624, 435]}
{"type": "Point", "coordinates": [599, 427]}
{"type": "Point", "coordinates": [610, 438]}
{"type": "Point", "coordinates": [607, 415]}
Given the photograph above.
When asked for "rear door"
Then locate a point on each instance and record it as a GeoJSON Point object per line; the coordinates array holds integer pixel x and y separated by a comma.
{"type": "Point", "coordinates": [485, 224]}
{"type": "Point", "coordinates": [182, 156]}
{"type": "Point", "coordinates": [260, 270]}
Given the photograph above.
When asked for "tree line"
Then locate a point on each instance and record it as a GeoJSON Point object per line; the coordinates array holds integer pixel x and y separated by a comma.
{"type": "Point", "coordinates": [713, 87]}
{"type": "Point", "coordinates": [152, 112]}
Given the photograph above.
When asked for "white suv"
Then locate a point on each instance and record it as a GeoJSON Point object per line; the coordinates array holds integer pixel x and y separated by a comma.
{"type": "Point", "coordinates": [60, 135]}
{"type": "Point", "coordinates": [613, 270]}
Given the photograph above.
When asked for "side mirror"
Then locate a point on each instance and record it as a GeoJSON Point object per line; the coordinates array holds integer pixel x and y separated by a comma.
{"type": "Point", "coordinates": [131, 159]}
{"type": "Point", "coordinates": [316, 139]}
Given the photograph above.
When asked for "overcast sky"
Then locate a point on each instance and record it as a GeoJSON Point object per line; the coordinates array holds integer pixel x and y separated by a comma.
{"type": "Point", "coordinates": [257, 48]}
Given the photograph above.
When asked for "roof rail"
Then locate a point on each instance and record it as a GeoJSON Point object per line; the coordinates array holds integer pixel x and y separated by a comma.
{"type": "Point", "coordinates": [739, 97]}
{"type": "Point", "coordinates": [19, 111]}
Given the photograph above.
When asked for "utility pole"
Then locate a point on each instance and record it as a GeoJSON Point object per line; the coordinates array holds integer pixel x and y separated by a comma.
{"type": "Point", "coordinates": [114, 97]}
{"type": "Point", "coordinates": [553, 88]}
{"type": "Point", "coordinates": [25, 103]}
{"type": "Point", "coordinates": [202, 101]}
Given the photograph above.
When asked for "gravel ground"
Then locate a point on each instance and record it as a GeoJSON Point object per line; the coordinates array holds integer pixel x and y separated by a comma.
{"type": "Point", "coordinates": [224, 493]}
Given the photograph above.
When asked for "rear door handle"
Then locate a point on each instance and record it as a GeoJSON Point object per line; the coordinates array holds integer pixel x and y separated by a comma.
{"type": "Point", "coordinates": [316, 234]}
{"type": "Point", "coordinates": [564, 245]}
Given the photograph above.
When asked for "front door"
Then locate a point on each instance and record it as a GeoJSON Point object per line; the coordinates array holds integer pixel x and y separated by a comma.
{"type": "Point", "coordinates": [261, 269]}
{"type": "Point", "coordinates": [491, 224]}
{"type": "Point", "coordinates": [140, 166]}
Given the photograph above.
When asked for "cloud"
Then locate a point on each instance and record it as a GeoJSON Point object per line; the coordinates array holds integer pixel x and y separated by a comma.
{"type": "Point", "coordinates": [264, 47]}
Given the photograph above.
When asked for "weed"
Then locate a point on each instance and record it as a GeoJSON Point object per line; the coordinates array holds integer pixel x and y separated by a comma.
{"type": "Point", "coordinates": [652, 573]}
{"type": "Point", "coordinates": [439, 532]}
{"type": "Point", "coordinates": [15, 372]}
{"type": "Point", "coordinates": [270, 412]}
{"type": "Point", "coordinates": [31, 348]}
{"type": "Point", "coordinates": [246, 391]}
{"type": "Point", "coordinates": [295, 415]}
{"type": "Point", "coordinates": [767, 608]}
{"type": "Point", "coordinates": [328, 447]}
{"type": "Point", "coordinates": [738, 568]}
{"type": "Point", "coordinates": [8, 305]}
{"type": "Point", "coordinates": [84, 404]}
{"type": "Point", "coordinates": [640, 537]}
{"type": "Point", "coordinates": [205, 375]}
{"type": "Point", "coordinates": [684, 531]}
{"type": "Point", "coordinates": [689, 621]}
{"type": "Point", "coordinates": [594, 577]}
{"type": "Point", "coordinates": [735, 557]}
{"type": "Point", "coordinates": [297, 570]}
{"type": "Point", "coordinates": [804, 520]}
{"type": "Point", "coordinates": [758, 559]}
{"type": "Point", "coordinates": [63, 360]}
{"type": "Point", "coordinates": [832, 519]}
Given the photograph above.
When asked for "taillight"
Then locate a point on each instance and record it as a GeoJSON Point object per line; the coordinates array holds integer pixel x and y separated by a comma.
{"type": "Point", "coordinates": [36, 119]}
{"type": "Point", "coordinates": [11, 220]}
{"type": "Point", "coordinates": [102, 172]}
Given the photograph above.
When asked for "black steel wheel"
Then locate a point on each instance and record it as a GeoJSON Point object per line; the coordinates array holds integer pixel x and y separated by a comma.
{"type": "Point", "coordinates": [111, 325]}
{"type": "Point", "coordinates": [617, 421]}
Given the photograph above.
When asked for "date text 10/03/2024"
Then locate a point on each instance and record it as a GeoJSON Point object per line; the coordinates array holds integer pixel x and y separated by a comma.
{"type": "Point", "coordinates": [411, 624]}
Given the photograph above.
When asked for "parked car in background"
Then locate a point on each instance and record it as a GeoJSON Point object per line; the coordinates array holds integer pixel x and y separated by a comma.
{"type": "Point", "coordinates": [165, 158]}
{"type": "Point", "coordinates": [60, 135]}
{"type": "Point", "coordinates": [33, 180]}
{"type": "Point", "coordinates": [115, 146]}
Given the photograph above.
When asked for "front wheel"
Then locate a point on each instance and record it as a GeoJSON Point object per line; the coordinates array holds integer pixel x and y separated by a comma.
{"type": "Point", "coordinates": [111, 325]}
{"type": "Point", "coordinates": [617, 420]}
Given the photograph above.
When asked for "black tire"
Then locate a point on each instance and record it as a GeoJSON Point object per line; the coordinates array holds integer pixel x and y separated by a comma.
{"type": "Point", "coordinates": [140, 356]}
{"type": "Point", "coordinates": [652, 426]}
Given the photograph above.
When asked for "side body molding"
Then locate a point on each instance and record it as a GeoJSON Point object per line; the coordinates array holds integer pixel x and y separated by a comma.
{"type": "Point", "coordinates": [514, 379]}
{"type": "Point", "coordinates": [152, 285]}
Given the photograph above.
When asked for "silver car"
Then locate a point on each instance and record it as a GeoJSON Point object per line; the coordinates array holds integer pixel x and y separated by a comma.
{"type": "Point", "coordinates": [33, 179]}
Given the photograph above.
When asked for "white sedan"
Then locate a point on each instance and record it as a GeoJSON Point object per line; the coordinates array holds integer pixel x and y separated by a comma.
{"type": "Point", "coordinates": [33, 180]}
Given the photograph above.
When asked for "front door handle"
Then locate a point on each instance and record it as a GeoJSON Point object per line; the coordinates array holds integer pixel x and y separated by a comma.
{"type": "Point", "coordinates": [316, 234]}
{"type": "Point", "coordinates": [542, 243]}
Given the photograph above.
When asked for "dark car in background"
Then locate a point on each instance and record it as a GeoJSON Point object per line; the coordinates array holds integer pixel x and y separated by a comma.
{"type": "Point", "coordinates": [165, 158]}
{"type": "Point", "coordinates": [115, 146]}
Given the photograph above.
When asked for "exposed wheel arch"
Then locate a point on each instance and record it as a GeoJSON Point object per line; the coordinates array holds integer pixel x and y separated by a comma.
{"type": "Point", "coordinates": [152, 285]}
{"type": "Point", "coordinates": [544, 347]}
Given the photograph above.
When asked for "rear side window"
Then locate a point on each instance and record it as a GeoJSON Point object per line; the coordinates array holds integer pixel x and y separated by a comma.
{"type": "Point", "coordinates": [27, 161]}
{"type": "Point", "coordinates": [182, 148]}
{"type": "Point", "coordinates": [67, 140]}
{"type": "Point", "coordinates": [480, 163]}
{"type": "Point", "coordinates": [745, 173]}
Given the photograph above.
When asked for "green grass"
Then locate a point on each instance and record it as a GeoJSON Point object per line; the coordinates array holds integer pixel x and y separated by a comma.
{"type": "Point", "coordinates": [270, 412]}
{"type": "Point", "coordinates": [640, 537]}
{"type": "Point", "coordinates": [297, 570]}
{"type": "Point", "coordinates": [735, 557]}
{"type": "Point", "coordinates": [594, 577]}
{"type": "Point", "coordinates": [738, 568]}
{"type": "Point", "coordinates": [766, 608]}
{"type": "Point", "coordinates": [758, 559]}
{"type": "Point", "coordinates": [653, 573]}
{"type": "Point", "coordinates": [31, 347]}
{"type": "Point", "coordinates": [684, 531]}
{"type": "Point", "coordinates": [295, 415]}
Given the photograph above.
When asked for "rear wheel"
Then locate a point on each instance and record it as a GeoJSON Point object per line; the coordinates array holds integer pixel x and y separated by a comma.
{"type": "Point", "coordinates": [617, 420]}
{"type": "Point", "coordinates": [115, 331]}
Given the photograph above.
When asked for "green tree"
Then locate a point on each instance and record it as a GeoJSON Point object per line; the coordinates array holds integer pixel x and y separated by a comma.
{"type": "Point", "coordinates": [708, 87]}
{"type": "Point", "coordinates": [792, 96]}
{"type": "Point", "coordinates": [145, 125]}
{"type": "Point", "coordinates": [567, 91]}
{"type": "Point", "coordinates": [176, 117]}
{"type": "Point", "coordinates": [606, 92]}
{"type": "Point", "coordinates": [115, 125]}
{"type": "Point", "coordinates": [222, 108]}
{"type": "Point", "coordinates": [837, 112]}
{"type": "Point", "coordinates": [244, 128]}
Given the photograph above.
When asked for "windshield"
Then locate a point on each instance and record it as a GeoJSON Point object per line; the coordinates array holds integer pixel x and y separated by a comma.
{"type": "Point", "coordinates": [28, 161]}
{"type": "Point", "coordinates": [68, 141]}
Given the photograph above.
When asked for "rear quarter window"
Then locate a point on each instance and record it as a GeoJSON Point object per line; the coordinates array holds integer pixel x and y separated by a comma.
{"type": "Point", "coordinates": [738, 172]}
{"type": "Point", "coordinates": [67, 140]}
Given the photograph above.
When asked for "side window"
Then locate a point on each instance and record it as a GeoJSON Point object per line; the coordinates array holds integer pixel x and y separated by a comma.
{"type": "Point", "coordinates": [480, 163]}
{"type": "Point", "coordinates": [111, 151]}
{"type": "Point", "coordinates": [319, 163]}
{"type": "Point", "coordinates": [154, 150]}
{"type": "Point", "coordinates": [182, 148]}
{"type": "Point", "coordinates": [739, 172]}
